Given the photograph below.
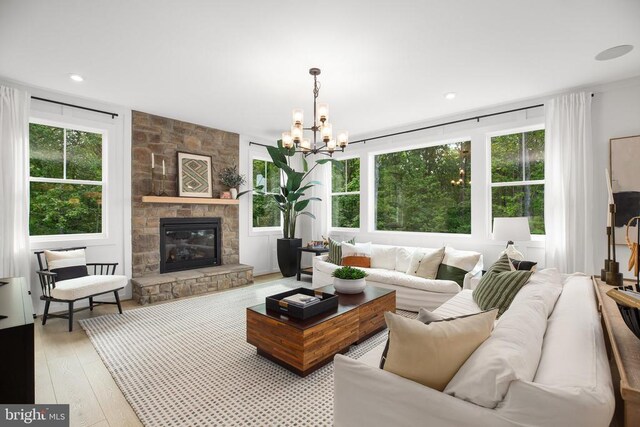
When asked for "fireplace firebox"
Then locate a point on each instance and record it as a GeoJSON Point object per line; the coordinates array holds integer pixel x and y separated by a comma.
{"type": "Point", "coordinates": [187, 243]}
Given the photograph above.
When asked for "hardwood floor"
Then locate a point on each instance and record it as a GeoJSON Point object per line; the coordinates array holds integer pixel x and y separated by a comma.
{"type": "Point", "coordinates": [69, 370]}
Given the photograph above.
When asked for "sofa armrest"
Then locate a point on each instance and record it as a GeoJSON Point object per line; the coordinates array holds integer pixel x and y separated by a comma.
{"type": "Point", "coordinates": [365, 395]}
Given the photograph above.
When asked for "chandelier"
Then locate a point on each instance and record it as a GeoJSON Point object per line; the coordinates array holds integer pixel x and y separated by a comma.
{"type": "Point", "coordinates": [326, 144]}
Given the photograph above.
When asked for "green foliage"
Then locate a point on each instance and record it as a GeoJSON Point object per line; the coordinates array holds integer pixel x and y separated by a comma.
{"type": "Point", "coordinates": [349, 273]}
{"type": "Point", "coordinates": [231, 178]}
{"type": "Point", "coordinates": [414, 190]}
{"type": "Point", "coordinates": [515, 158]}
{"type": "Point", "coordinates": [266, 181]}
{"type": "Point", "coordinates": [65, 207]}
{"type": "Point", "coordinates": [345, 208]}
{"type": "Point", "coordinates": [290, 197]}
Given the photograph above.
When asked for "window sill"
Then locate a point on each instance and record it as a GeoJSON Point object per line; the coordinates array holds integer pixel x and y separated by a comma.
{"type": "Point", "coordinates": [265, 231]}
{"type": "Point", "coordinates": [43, 242]}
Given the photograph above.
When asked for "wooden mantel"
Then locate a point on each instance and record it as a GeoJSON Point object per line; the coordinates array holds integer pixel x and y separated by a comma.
{"type": "Point", "coordinates": [189, 200]}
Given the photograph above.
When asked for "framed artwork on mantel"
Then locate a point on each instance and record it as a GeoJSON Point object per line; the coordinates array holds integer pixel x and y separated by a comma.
{"type": "Point", "coordinates": [194, 175]}
{"type": "Point", "coordinates": [624, 155]}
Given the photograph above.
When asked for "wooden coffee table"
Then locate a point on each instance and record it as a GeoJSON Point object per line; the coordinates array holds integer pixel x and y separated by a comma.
{"type": "Point", "coordinates": [302, 346]}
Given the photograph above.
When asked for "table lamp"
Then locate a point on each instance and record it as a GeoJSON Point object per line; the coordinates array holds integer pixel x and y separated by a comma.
{"type": "Point", "coordinates": [510, 230]}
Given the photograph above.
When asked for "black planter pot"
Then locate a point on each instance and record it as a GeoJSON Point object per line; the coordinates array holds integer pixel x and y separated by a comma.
{"type": "Point", "coordinates": [288, 256]}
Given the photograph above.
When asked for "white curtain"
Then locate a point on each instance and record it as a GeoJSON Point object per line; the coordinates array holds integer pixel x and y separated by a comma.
{"type": "Point", "coordinates": [568, 183]}
{"type": "Point", "coordinates": [14, 185]}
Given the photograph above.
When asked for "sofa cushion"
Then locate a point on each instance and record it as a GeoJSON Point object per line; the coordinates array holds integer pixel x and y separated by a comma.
{"type": "Point", "coordinates": [431, 354]}
{"type": "Point", "coordinates": [67, 264]}
{"type": "Point", "coordinates": [356, 254]}
{"type": "Point", "coordinates": [511, 353]}
{"type": "Point", "coordinates": [499, 286]}
{"type": "Point", "coordinates": [461, 303]}
{"type": "Point", "coordinates": [427, 316]}
{"type": "Point", "coordinates": [456, 264]}
{"type": "Point", "coordinates": [383, 256]}
{"type": "Point", "coordinates": [83, 287]}
{"type": "Point", "coordinates": [401, 279]}
{"type": "Point", "coordinates": [403, 258]}
{"type": "Point", "coordinates": [335, 250]}
{"type": "Point", "coordinates": [425, 263]}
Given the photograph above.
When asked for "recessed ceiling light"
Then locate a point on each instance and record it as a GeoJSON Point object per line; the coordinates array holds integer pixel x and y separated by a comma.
{"type": "Point", "coordinates": [450, 95]}
{"type": "Point", "coordinates": [76, 77]}
{"type": "Point", "coordinates": [614, 52]}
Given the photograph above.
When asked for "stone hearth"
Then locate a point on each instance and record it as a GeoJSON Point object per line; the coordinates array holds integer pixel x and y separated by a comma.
{"type": "Point", "coordinates": [163, 287]}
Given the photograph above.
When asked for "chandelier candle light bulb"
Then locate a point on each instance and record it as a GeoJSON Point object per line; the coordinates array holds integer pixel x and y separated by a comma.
{"type": "Point", "coordinates": [305, 144]}
{"type": "Point", "coordinates": [327, 131]}
{"type": "Point", "coordinates": [296, 133]}
{"type": "Point", "coordinates": [323, 112]}
{"type": "Point", "coordinates": [343, 138]}
{"type": "Point", "coordinates": [287, 140]}
{"type": "Point", "coordinates": [298, 116]}
{"type": "Point", "coordinates": [331, 145]}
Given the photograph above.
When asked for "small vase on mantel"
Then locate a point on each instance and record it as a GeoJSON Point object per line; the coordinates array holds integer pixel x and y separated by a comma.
{"type": "Point", "coordinates": [234, 193]}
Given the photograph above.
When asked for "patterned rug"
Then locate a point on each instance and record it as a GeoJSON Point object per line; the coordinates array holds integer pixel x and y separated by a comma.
{"type": "Point", "coordinates": [187, 363]}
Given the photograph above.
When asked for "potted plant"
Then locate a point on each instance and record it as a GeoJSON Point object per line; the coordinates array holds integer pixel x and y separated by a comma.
{"type": "Point", "coordinates": [292, 201]}
{"type": "Point", "coordinates": [232, 179]}
{"type": "Point", "coordinates": [349, 280]}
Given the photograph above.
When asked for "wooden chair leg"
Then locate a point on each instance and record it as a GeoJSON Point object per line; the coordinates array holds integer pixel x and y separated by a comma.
{"type": "Point", "coordinates": [46, 312]}
{"type": "Point", "coordinates": [70, 316]}
{"type": "Point", "coordinates": [118, 301]}
{"type": "Point", "coordinates": [90, 303]}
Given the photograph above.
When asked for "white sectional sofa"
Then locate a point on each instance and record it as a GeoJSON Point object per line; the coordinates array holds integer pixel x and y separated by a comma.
{"type": "Point", "coordinates": [388, 270]}
{"type": "Point", "coordinates": [571, 385]}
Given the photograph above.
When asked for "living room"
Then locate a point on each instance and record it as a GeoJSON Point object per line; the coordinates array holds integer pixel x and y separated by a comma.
{"type": "Point", "coordinates": [210, 217]}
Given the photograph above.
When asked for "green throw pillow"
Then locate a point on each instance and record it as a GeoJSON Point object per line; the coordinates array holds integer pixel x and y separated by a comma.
{"type": "Point", "coordinates": [499, 286]}
{"type": "Point", "coordinates": [456, 264]}
{"type": "Point", "coordinates": [335, 251]}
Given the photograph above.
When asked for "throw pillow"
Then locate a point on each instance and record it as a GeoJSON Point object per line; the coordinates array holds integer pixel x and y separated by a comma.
{"type": "Point", "coordinates": [432, 354]}
{"type": "Point", "coordinates": [425, 263]}
{"type": "Point", "coordinates": [403, 258]}
{"type": "Point", "coordinates": [456, 264]}
{"type": "Point", "coordinates": [335, 250]}
{"type": "Point", "coordinates": [499, 286]}
{"type": "Point", "coordinates": [356, 255]}
{"type": "Point", "coordinates": [67, 264]}
{"type": "Point", "coordinates": [425, 316]}
{"type": "Point", "coordinates": [524, 265]}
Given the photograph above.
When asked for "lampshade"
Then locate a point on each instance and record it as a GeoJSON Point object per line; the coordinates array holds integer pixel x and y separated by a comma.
{"type": "Point", "coordinates": [516, 229]}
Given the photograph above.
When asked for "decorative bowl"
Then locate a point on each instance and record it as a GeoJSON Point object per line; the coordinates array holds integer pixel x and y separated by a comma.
{"type": "Point", "coordinates": [345, 286]}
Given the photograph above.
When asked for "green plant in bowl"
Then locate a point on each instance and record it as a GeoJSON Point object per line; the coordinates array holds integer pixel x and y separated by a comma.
{"type": "Point", "coordinates": [349, 280]}
{"type": "Point", "coordinates": [349, 273]}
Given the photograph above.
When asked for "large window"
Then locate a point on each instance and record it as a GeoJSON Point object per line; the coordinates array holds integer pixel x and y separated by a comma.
{"type": "Point", "coordinates": [66, 182]}
{"type": "Point", "coordinates": [265, 208]}
{"type": "Point", "coordinates": [425, 190]}
{"type": "Point", "coordinates": [517, 177]}
{"type": "Point", "coordinates": [345, 193]}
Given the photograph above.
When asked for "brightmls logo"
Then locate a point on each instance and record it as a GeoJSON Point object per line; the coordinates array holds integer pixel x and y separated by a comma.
{"type": "Point", "coordinates": [35, 415]}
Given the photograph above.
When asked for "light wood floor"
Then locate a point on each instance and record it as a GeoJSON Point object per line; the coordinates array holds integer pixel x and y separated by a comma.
{"type": "Point", "coordinates": [69, 370]}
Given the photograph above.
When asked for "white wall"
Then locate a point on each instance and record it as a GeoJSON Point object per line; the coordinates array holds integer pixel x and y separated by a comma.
{"type": "Point", "coordinates": [616, 112]}
{"type": "Point", "coordinates": [115, 246]}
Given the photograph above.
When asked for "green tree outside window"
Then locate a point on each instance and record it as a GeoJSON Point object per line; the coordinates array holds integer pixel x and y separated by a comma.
{"type": "Point", "coordinates": [265, 208]}
{"type": "Point", "coordinates": [345, 194]}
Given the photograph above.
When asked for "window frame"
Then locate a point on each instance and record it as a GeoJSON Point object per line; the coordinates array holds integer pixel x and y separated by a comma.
{"type": "Point", "coordinates": [80, 125]}
{"type": "Point", "coordinates": [261, 230]}
{"type": "Point", "coordinates": [331, 194]}
{"type": "Point", "coordinates": [371, 205]}
{"type": "Point", "coordinates": [491, 185]}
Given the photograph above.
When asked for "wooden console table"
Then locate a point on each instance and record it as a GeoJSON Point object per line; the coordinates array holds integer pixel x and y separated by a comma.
{"type": "Point", "coordinates": [623, 349]}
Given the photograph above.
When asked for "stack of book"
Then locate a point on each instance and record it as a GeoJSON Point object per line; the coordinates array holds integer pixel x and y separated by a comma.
{"type": "Point", "coordinates": [301, 300]}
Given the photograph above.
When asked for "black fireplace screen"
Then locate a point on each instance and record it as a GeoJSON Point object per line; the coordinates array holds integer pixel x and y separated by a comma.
{"type": "Point", "coordinates": [187, 243]}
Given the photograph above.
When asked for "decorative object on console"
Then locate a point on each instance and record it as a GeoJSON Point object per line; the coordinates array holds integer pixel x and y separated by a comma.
{"type": "Point", "coordinates": [512, 229]}
{"type": "Point", "coordinates": [320, 124]}
{"type": "Point", "coordinates": [287, 303]}
{"type": "Point", "coordinates": [225, 195]}
{"type": "Point", "coordinates": [425, 264]}
{"type": "Point", "coordinates": [612, 274]}
{"type": "Point", "coordinates": [628, 303]}
{"type": "Point", "coordinates": [499, 286]}
{"type": "Point", "coordinates": [431, 354]}
{"type": "Point", "coordinates": [356, 254]}
{"type": "Point", "coordinates": [349, 280]}
{"type": "Point", "coordinates": [194, 175]}
{"type": "Point", "coordinates": [634, 257]}
{"type": "Point", "coordinates": [232, 179]}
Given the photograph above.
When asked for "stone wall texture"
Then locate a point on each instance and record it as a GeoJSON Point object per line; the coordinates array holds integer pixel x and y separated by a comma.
{"type": "Point", "coordinates": [165, 137]}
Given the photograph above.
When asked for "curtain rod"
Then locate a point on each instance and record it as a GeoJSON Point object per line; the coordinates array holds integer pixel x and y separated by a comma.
{"type": "Point", "coordinates": [113, 115]}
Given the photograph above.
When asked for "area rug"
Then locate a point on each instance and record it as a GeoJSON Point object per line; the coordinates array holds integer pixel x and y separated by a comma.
{"type": "Point", "coordinates": [187, 363]}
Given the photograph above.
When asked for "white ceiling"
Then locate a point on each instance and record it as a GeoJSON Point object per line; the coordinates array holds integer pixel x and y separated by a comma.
{"type": "Point", "coordinates": [242, 65]}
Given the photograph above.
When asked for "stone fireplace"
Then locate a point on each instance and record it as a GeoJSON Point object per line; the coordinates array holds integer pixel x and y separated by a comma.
{"type": "Point", "coordinates": [188, 243]}
{"type": "Point", "coordinates": [152, 281]}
